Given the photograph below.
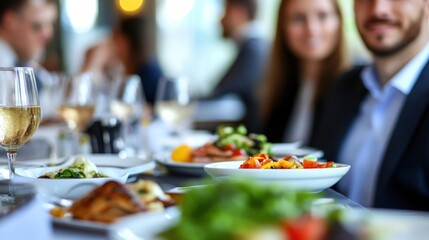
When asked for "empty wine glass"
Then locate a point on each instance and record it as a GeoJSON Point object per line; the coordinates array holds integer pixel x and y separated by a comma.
{"type": "Point", "coordinates": [174, 104]}
{"type": "Point", "coordinates": [19, 115]}
{"type": "Point", "coordinates": [127, 106]}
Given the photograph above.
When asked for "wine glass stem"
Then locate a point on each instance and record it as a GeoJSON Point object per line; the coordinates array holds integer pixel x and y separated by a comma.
{"type": "Point", "coordinates": [11, 156]}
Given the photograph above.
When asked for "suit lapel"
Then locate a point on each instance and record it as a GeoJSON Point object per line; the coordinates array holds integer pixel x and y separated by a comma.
{"type": "Point", "coordinates": [409, 118]}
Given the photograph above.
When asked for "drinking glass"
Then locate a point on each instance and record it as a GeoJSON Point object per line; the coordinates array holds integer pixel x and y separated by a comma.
{"type": "Point", "coordinates": [127, 106]}
{"type": "Point", "coordinates": [77, 108]}
{"type": "Point", "coordinates": [51, 95]}
{"type": "Point", "coordinates": [174, 103]}
{"type": "Point", "coordinates": [19, 115]}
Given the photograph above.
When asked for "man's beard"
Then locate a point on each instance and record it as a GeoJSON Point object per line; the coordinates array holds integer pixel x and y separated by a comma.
{"type": "Point", "coordinates": [410, 35]}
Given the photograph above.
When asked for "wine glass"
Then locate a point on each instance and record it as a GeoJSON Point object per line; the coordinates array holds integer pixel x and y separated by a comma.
{"type": "Point", "coordinates": [78, 107]}
{"type": "Point", "coordinates": [19, 114]}
{"type": "Point", "coordinates": [127, 106]}
{"type": "Point", "coordinates": [174, 103]}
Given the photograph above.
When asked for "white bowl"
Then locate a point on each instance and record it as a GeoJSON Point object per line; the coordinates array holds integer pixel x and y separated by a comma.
{"type": "Point", "coordinates": [72, 188]}
{"type": "Point", "coordinates": [313, 179]}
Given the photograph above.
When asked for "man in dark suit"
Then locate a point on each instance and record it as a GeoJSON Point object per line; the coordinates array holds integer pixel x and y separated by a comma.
{"type": "Point", "coordinates": [377, 116]}
{"type": "Point", "coordinates": [245, 72]}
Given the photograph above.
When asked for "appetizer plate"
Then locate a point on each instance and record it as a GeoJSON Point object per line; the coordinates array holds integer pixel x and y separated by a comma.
{"type": "Point", "coordinates": [386, 224]}
{"type": "Point", "coordinates": [72, 188]}
{"type": "Point", "coordinates": [195, 169]}
{"type": "Point", "coordinates": [315, 179]}
{"type": "Point", "coordinates": [144, 226]}
{"type": "Point", "coordinates": [131, 165]}
{"type": "Point", "coordinates": [132, 222]}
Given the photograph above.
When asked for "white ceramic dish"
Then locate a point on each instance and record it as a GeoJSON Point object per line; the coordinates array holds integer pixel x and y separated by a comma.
{"type": "Point", "coordinates": [315, 179]}
{"type": "Point", "coordinates": [131, 165]}
{"type": "Point", "coordinates": [67, 188]}
{"type": "Point", "coordinates": [145, 226]}
{"type": "Point", "coordinates": [195, 169]}
{"type": "Point", "coordinates": [148, 221]}
{"type": "Point", "coordinates": [387, 224]}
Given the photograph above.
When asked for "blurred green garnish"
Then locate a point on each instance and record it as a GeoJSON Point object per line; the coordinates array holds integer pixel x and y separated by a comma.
{"type": "Point", "coordinates": [251, 143]}
{"type": "Point", "coordinates": [234, 208]}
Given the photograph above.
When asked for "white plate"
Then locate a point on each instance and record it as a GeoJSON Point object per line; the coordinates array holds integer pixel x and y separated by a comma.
{"type": "Point", "coordinates": [134, 221]}
{"type": "Point", "coordinates": [315, 179]}
{"type": "Point", "coordinates": [387, 224]}
{"type": "Point", "coordinates": [131, 165]}
{"type": "Point", "coordinates": [195, 169]}
{"type": "Point", "coordinates": [144, 226]}
{"type": "Point", "coordinates": [67, 188]}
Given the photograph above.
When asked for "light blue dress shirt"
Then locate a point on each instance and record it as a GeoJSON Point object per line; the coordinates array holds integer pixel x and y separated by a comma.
{"type": "Point", "coordinates": [367, 140]}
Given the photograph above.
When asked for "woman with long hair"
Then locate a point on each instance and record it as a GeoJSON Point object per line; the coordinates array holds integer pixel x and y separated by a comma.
{"type": "Point", "coordinates": [308, 53]}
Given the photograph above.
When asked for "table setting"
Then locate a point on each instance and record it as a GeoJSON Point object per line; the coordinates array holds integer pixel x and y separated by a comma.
{"type": "Point", "coordinates": [117, 175]}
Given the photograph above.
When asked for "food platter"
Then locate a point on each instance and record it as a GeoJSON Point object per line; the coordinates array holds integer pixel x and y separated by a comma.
{"type": "Point", "coordinates": [197, 169]}
{"type": "Point", "coordinates": [143, 226]}
{"type": "Point", "coordinates": [132, 165]}
{"type": "Point", "coordinates": [316, 179]}
{"type": "Point", "coordinates": [67, 188]}
{"type": "Point", "coordinates": [145, 221]}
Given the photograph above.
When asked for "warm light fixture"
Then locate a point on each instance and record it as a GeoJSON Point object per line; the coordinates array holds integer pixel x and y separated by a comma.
{"type": "Point", "coordinates": [130, 6]}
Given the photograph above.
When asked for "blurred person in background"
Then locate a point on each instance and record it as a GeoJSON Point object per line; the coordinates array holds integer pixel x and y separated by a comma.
{"type": "Point", "coordinates": [125, 52]}
{"type": "Point", "coordinates": [26, 27]}
{"type": "Point", "coordinates": [308, 53]}
{"type": "Point", "coordinates": [377, 117]}
{"type": "Point", "coordinates": [242, 77]}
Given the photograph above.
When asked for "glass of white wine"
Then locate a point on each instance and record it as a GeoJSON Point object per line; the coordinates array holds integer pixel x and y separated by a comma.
{"type": "Point", "coordinates": [19, 115]}
{"type": "Point", "coordinates": [77, 108]}
{"type": "Point", "coordinates": [174, 103]}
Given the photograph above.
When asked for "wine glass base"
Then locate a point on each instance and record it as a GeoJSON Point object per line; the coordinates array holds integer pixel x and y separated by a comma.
{"type": "Point", "coordinates": [14, 195]}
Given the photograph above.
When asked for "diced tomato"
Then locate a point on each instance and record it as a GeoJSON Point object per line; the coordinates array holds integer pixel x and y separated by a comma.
{"type": "Point", "coordinates": [251, 163]}
{"type": "Point", "coordinates": [229, 147]}
{"type": "Point", "coordinates": [306, 227]}
{"type": "Point", "coordinates": [238, 152]}
{"type": "Point", "coordinates": [326, 164]}
{"type": "Point", "coordinates": [310, 164]}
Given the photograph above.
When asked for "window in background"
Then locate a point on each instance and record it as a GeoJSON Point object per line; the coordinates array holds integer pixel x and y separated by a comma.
{"type": "Point", "coordinates": [356, 48]}
{"type": "Point", "coordinates": [190, 42]}
{"type": "Point", "coordinates": [82, 27]}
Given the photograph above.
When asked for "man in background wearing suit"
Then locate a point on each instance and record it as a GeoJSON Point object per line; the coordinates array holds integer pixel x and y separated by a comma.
{"type": "Point", "coordinates": [26, 27]}
{"type": "Point", "coordinates": [247, 69]}
{"type": "Point", "coordinates": [377, 117]}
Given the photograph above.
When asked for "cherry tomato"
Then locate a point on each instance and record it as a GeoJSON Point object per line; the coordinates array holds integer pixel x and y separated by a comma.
{"type": "Point", "coordinates": [238, 152]}
{"type": "Point", "coordinates": [229, 146]}
{"type": "Point", "coordinates": [326, 164]}
{"type": "Point", "coordinates": [305, 227]}
{"type": "Point", "coordinates": [310, 164]}
{"type": "Point", "coordinates": [251, 163]}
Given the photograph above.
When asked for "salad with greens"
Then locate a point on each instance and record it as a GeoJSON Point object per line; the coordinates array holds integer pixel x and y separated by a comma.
{"type": "Point", "coordinates": [80, 168]}
{"type": "Point", "coordinates": [243, 209]}
{"type": "Point", "coordinates": [232, 143]}
{"type": "Point", "coordinates": [239, 138]}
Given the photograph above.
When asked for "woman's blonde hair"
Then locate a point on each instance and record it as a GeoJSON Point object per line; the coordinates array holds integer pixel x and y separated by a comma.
{"type": "Point", "coordinates": [284, 68]}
